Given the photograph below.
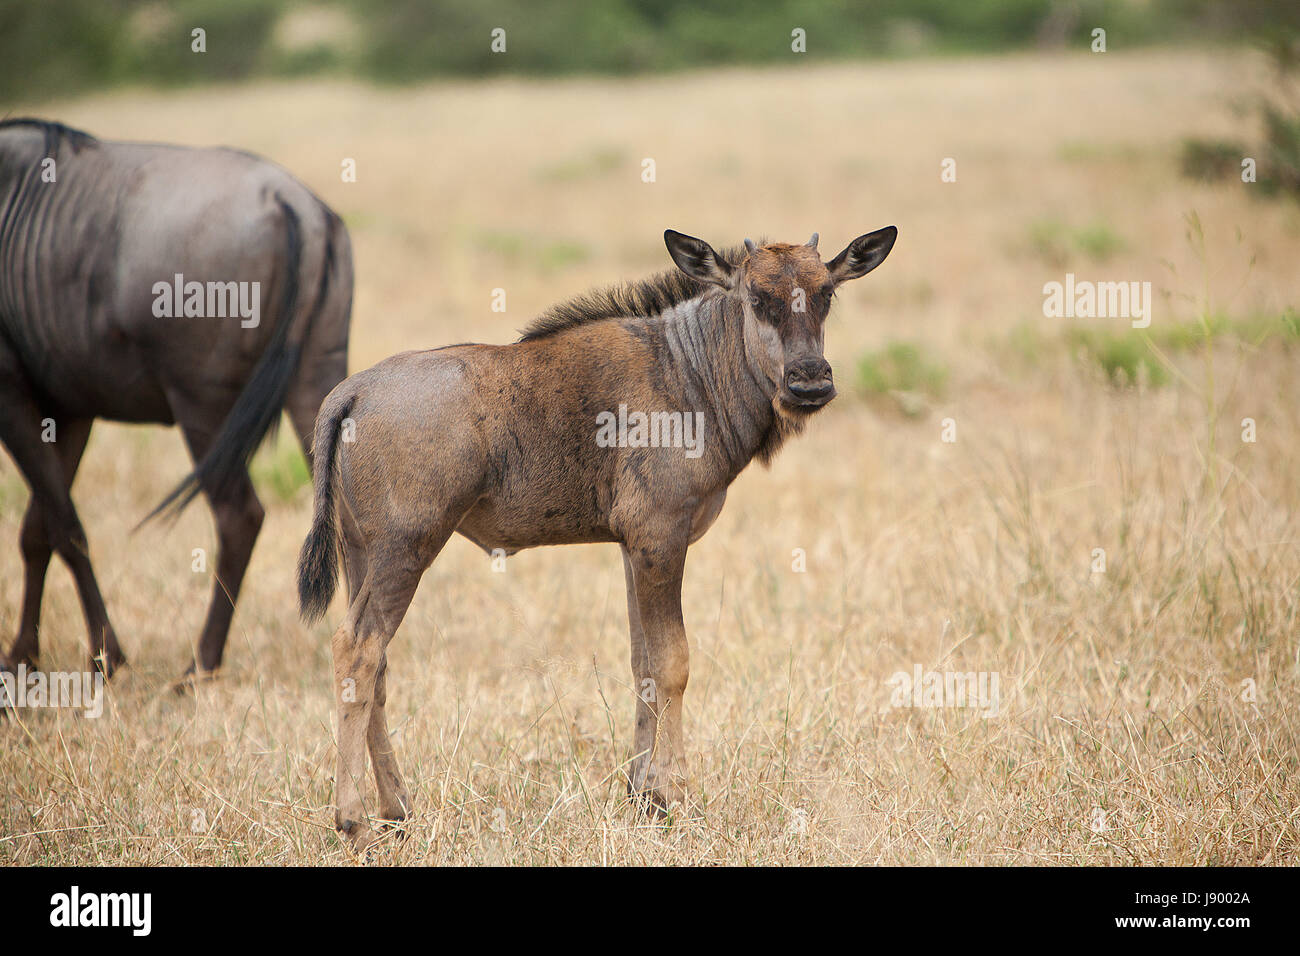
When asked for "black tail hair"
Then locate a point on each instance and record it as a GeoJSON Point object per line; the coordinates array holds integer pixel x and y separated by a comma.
{"type": "Point", "coordinates": [318, 564]}
{"type": "Point", "coordinates": [257, 410]}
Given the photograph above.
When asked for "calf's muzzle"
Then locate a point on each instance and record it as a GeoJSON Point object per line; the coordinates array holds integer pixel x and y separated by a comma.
{"type": "Point", "coordinates": [809, 381]}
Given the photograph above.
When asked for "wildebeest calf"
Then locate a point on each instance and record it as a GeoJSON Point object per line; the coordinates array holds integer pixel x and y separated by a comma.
{"type": "Point", "coordinates": [515, 446]}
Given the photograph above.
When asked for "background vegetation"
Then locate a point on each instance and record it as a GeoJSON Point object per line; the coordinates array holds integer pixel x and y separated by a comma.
{"type": "Point", "coordinates": [60, 46]}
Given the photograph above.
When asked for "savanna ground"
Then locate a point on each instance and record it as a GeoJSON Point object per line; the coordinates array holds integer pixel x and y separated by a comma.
{"type": "Point", "coordinates": [1125, 732]}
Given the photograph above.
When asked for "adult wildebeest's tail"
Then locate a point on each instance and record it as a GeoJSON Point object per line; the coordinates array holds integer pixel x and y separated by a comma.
{"type": "Point", "coordinates": [318, 564]}
{"type": "Point", "coordinates": [257, 409]}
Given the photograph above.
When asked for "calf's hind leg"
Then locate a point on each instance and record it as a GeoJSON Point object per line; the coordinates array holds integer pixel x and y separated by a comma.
{"type": "Point", "coordinates": [394, 801]}
{"type": "Point", "coordinates": [360, 681]}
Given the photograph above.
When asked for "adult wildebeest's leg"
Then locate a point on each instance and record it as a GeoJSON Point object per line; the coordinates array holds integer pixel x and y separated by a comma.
{"type": "Point", "coordinates": [20, 430]}
{"type": "Point", "coordinates": [324, 361]}
{"type": "Point", "coordinates": [320, 367]}
{"type": "Point", "coordinates": [238, 515]}
{"type": "Point", "coordinates": [34, 542]}
{"type": "Point", "coordinates": [309, 392]}
{"type": "Point", "coordinates": [657, 564]}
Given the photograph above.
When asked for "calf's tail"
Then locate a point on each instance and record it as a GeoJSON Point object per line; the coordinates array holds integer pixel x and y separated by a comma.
{"type": "Point", "coordinates": [318, 564]}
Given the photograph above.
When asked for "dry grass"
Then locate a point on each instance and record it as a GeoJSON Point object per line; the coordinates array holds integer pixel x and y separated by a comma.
{"type": "Point", "coordinates": [509, 695]}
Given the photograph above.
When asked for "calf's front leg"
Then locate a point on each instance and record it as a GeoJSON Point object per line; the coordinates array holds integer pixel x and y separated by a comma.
{"type": "Point", "coordinates": [660, 668]}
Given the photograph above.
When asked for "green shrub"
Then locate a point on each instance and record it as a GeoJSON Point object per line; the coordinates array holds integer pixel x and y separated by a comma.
{"type": "Point", "coordinates": [1124, 356]}
{"type": "Point", "coordinates": [1211, 160]}
{"type": "Point", "coordinates": [1098, 241]}
{"type": "Point", "coordinates": [1277, 154]}
{"type": "Point", "coordinates": [601, 160]}
{"type": "Point", "coordinates": [1059, 244]}
{"type": "Point", "coordinates": [903, 370]}
{"type": "Point", "coordinates": [545, 255]}
{"type": "Point", "coordinates": [281, 466]}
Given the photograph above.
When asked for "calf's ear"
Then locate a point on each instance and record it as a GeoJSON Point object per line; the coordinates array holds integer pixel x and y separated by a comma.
{"type": "Point", "coordinates": [862, 255]}
{"type": "Point", "coordinates": [697, 259]}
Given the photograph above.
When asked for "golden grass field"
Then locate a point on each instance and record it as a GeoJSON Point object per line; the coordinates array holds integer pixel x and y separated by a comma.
{"type": "Point", "coordinates": [1122, 736]}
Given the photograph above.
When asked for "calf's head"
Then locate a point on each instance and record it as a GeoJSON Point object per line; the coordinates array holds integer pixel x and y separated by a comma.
{"type": "Point", "coordinates": [785, 291]}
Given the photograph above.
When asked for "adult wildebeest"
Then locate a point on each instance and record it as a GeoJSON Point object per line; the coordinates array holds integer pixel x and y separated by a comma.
{"type": "Point", "coordinates": [131, 281]}
{"type": "Point", "coordinates": [513, 446]}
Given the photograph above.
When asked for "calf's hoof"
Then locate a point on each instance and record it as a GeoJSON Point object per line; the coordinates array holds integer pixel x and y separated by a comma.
{"type": "Point", "coordinates": [393, 830]}
{"type": "Point", "coordinates": [360, 836]}
{"type": "Point", "coordinates": [659, 800]}
{"type": "Point", "coordinates": [393, 815]}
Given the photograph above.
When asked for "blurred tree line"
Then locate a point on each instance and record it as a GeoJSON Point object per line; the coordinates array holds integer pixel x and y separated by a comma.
{"type": "Point", "coordinates": [51, 47]}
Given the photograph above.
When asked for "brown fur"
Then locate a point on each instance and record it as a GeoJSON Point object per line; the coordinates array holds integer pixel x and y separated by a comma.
{"type": "Point", "coordinates": [499, 444]}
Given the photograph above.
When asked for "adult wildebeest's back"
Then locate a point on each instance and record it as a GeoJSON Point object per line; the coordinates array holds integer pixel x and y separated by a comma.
{"type": "Point", "coordinates": [150, 283]}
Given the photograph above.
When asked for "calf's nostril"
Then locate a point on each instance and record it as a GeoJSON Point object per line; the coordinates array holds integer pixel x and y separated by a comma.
{"type": "Point", "coordinates": [809, 377]}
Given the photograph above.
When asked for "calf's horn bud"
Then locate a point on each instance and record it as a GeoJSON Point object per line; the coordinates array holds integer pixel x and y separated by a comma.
{"type": "Point", "coordinates": [749, 246]}
{"type": "Point", "coordinates": [812, 243]}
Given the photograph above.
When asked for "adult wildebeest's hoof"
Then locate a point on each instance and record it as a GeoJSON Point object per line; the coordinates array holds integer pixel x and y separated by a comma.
{"type": "Point", "coordinates": [108, 663]}
{"type": "Point", "coordinates": [10, 664]}
{"type": "Point", "coordinates": [10, 667]}
{"type": "Point", "coordinates": [188, 682]}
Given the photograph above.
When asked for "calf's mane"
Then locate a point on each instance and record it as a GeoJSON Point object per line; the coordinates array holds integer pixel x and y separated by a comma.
{"type": "Point", "coordinates": [640, 298]}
